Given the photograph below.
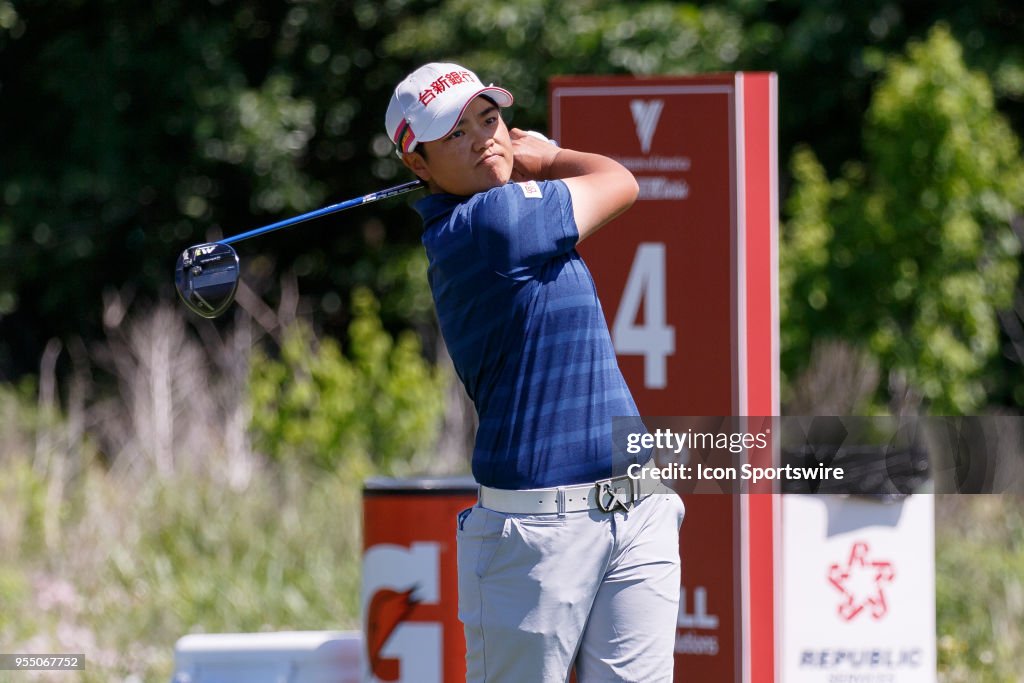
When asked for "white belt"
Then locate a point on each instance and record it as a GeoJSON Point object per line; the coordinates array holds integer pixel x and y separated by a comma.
{"type": "Point", "coordinates": [605, 495]}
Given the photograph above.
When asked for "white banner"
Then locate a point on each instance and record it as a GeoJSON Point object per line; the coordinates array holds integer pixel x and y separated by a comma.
{"type": "Point", "coordinates": [858, 590]}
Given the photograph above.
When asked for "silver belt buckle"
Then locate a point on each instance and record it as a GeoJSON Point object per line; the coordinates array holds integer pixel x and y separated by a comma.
{"type": "Point", "coordinates": [609, 497]}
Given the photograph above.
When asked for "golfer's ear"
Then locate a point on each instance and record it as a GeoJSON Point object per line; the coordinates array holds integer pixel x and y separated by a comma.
{"type": "Point", "coordinates": [417, 164]}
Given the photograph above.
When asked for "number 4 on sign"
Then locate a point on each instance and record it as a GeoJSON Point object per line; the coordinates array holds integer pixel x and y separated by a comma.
{"type": "Point", "coordinates": [653, 339]}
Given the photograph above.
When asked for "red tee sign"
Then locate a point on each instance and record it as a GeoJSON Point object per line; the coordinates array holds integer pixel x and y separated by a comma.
{"type": "Point", "coordinates": [687, 278]}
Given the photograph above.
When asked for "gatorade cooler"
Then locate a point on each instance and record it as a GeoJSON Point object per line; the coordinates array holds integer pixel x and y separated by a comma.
{"type": "Point", "coordinates": [410, 579]}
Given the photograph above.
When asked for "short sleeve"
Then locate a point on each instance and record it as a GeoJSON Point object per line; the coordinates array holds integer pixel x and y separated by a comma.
{"type": "Point", "coordinates": [520, 226]}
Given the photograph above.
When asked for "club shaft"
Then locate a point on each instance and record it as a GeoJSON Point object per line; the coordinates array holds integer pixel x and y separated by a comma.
{"type": "Point", "coordinates": [333, 208]}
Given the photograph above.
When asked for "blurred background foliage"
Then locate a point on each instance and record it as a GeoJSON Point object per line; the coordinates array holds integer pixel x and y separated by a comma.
{"type": "Point", "coordinates": [910, 253]}
{"type": "Point", "coordinates": [133, 131]}
{"type": "Point", "coordinates": [379, 409]}
{"type": "Point", "coordinates": [191, 475]}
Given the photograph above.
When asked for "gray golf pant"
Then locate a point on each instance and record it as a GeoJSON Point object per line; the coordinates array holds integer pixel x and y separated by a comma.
{"type": "Point", "coordinates": [539, 594]}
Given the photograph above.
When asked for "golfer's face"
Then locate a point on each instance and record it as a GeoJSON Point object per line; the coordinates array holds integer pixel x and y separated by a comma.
{"type": "Point", "coordinates": [475, 156]}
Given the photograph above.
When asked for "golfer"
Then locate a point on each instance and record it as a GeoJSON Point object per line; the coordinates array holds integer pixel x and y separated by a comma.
{"type": "Point", "coordinates": [562, 563]}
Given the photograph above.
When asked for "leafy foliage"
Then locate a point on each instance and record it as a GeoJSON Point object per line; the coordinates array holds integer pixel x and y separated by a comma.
{"type": "Point", "coordinates": [552, 37]}
{"type": "Point", "coordinates": [176, 122]}
{"type": "Point", "coordinates": [121, 535]}
{"type": "Point", "coordinates": [924, 224]}
{"type": "Point", "coordinates": [830, 56]}
{"type": "Point", "coordinates": [145, 128]}
{"type": "Point", "coordinates": [380, 405]}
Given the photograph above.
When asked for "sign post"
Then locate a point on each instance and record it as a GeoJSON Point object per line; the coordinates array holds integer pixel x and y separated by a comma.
{"type": "Point", "coordinates": [687, 278]}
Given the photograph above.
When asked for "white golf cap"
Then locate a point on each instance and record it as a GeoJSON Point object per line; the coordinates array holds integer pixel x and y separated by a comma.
{"type": "Point", "coordinates": [429, 103]}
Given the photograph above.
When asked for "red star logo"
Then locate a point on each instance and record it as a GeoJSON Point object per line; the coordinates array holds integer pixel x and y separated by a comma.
{"type": "Point", "coordinates": [862, 583]}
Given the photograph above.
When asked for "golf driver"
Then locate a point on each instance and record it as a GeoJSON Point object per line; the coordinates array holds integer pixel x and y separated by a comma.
{"type": "Point", "coordinates": [206, 275]}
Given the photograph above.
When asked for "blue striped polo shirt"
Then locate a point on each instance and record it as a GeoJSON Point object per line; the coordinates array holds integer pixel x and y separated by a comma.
{"type": "Point", "coordinates": [524, 327]}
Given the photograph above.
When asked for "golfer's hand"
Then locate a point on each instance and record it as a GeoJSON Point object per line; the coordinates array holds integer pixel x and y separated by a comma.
{"type": "Point", "coordinates": [532, 157]}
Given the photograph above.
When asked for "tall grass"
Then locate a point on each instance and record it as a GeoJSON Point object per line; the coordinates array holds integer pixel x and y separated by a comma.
{"type": "Point", "coordinates": [980, 588]}
{"type": "Point", "coordinates": [134, 510]}
{"type": "Point", "coordinates": [134, 515]}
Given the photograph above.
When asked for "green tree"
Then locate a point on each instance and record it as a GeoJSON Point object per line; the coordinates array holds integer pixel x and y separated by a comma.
{"type": "Point", "coordinates": [522, 44]}
{"type": "Point", "coordinates": [134, 130]}
{"type": "Point", "coordinates": [377, 407]}
{"type": "Point", "coordinates": [911, 251]}
{"type": "Point", "coordinates": [830, 56]}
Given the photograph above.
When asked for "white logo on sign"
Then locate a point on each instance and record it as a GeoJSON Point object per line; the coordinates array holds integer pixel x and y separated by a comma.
{"type": "Point", "coordinates": [531, 190]}
{"type": "Point", "coordinates": [202, 251]}
{"type": "Point", "coordinates": [689, 642]}
{"type": "Point", "coordinates": [411, 575]}
{"type": "Point", "coordinates": [699, 618]}
{"type": "Point", "coordinates": [645, 115]}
